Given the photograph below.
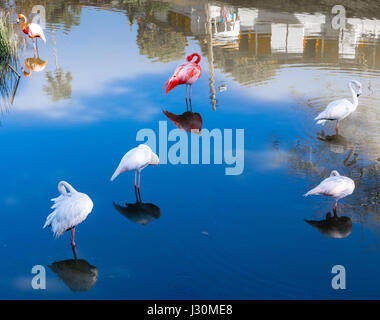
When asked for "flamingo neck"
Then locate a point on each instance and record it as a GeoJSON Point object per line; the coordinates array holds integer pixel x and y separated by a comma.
{"type": "Point", "coordinates": [354, 96]}
{"type": "Point", "coordinates": [190, 57]}
{"type": "Point", "coordinates": [63, 185]}
{"type": "Point", "coordinates": [22, 17]}
{"type": "Point", "coordinates": [26, 74]}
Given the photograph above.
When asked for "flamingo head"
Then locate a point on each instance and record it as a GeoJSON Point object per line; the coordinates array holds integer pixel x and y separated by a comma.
{"type": "Point", "coordinates": [190, 58]}
{"type": "Point", "coordinates": [155, 161]}
{"type": "Point", "coordinates": [20, 17]}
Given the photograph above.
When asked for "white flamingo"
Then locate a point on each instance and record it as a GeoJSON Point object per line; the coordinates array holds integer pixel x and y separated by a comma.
{"type": "Point", "coordinates": [135, 160]}
{"type": "Point", "coordinates": [70, 209]}
{"type": "Point", "coordinates": [335, 186]}
{"type": "Point", "coordinates": [340, 109]}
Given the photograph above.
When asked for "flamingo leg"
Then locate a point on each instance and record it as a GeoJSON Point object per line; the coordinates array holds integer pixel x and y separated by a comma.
{"type": "Point", "coordinates": [138, 185]}
{"type": "Point", "coordinates": [335, 206]}
{"type": "Point", "coordinates": [135, 177]}
{"type": "Point", "coordinates": [186, 91]}
{"type": "Point", "coordinates": [74, 252]}
{"type": "Point", "coordinates": [138, 191]}
{"type": "Point", "coordinates": [137, 198]}
{"type": "Point", "coordinates": [72, 237]}
{"type": "Point", "coordinates": [190, 95]}
{"type": "Point", "coordinates": [337, 127]}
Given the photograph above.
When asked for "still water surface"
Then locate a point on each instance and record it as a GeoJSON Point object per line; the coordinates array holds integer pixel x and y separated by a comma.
{"type": "Point", "coordinates": [204, 234]}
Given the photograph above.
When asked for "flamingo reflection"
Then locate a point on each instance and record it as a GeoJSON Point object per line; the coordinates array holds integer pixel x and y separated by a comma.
{"type": "Point", "coordinates": [333, 226]}
{"type": "Point", "coordinates": [33, 65]}
{"type": "Point", "coordinates": [188, 121]}
{"type": "Point", "coordinates": [77, 274]}
{"type": "Point", "coordinates": [340, 145]}
{"type": "Point", "coordinates": [139, 212]}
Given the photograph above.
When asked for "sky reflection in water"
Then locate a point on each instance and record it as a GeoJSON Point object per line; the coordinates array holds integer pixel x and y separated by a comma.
{"type": "Point", "coordinates": [216, 236]}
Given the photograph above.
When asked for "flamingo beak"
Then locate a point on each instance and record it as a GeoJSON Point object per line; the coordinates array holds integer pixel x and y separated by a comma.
{"type": "Point", "coordinates": [18, 21]}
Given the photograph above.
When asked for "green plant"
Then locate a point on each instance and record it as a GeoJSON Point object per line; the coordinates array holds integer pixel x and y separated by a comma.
{"type": "Point", "coordinates": [9, 47]}
{"type": "Point", "coordinates": [8, 40]}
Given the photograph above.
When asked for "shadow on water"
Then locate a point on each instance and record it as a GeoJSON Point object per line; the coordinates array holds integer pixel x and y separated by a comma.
{"type": "Point", "coordinates": [340, 145]}
{"type": "Point", "coordinates": [333, 226]}
{"type": "Point", "coordinates": [77, 274]}
{"type": "Point", "coordinates": [34, 64]}
{"type": "Point", "coordinates": [139, 212]}
{"type": "Point", "coordinates": [188, 121]}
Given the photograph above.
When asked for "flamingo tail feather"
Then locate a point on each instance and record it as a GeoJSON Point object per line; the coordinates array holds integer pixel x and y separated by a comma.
{"type": "Point", "coordinates": [171, 84]}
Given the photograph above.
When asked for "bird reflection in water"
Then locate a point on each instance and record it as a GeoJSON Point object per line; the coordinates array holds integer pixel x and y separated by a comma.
{"type": "Point", "coordinates": [333, 226]}
{"type": "Point", "coordinates": [77, 274]}
{"type": "Point", "coordinates": [340, 145]}
{"type": "Point", "coordinates": [33, 64]}
{"type": "Point", "coordinates": [188, 121]}
{"type": "Point", "coordinates": [139, 212]}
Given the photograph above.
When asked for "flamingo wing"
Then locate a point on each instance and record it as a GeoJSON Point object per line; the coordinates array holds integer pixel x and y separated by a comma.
{"type": "Point", "coordinates": [336, 110]}
{"type": "Point", "coordinates": [35, 30]}
{"type": "Point", "coordinates": [193, 73]}
{"type": "Point", "coordinates": [334, 186]}
{"type": "Point", "coordinates": [188, 72]}
{"type": "Point", "coordinates": [69, 210]}
{"type": "Point", "coordinates": [135, 159]}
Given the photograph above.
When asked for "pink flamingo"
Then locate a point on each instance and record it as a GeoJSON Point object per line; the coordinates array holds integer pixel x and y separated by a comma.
{"type": "Point", "coordinates": [32, 30]}
{"type": "Point", "coordinates": [186, 73]}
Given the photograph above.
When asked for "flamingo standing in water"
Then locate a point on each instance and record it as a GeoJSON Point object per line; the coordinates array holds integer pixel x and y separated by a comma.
{"type": "Point", "coordinates": [70, 209]}
{"type": "Point", "coordinates": [186, 73]}
{"type": "Point", "coordinates": [335, 186]}
{"type": "Point", "coordinates": [136, 159]}
{"type": "Point", "coordinates": [32, 30]}
{"type": "Point", "coordinates": [340, 109]}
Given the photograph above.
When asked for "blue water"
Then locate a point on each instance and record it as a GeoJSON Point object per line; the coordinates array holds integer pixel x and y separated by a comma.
{"type": "Point", "coordinates": [218, 236]}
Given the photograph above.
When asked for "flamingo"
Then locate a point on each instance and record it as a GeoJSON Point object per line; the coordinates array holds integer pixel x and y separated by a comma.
{"type": "Point", "coordinates": [335, 186]}
{"type": "Point", "coordinates": [33, 64]}
{"type": "Point", "coordinates": [340, 109]}
{"type": "Point", "coordinates": [70, 209]}
{"type": "Point", "coordinates": [186, 73]}
{"type": "Point", "coordinates": [136, 159]}
{"type": "Point", "coordinates": [32, 30]}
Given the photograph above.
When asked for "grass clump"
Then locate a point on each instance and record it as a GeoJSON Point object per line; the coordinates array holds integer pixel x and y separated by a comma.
{"type": "Point", "coordinates": [9, 49]}
{"type": "Point", "coordinates": [8, 40]}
